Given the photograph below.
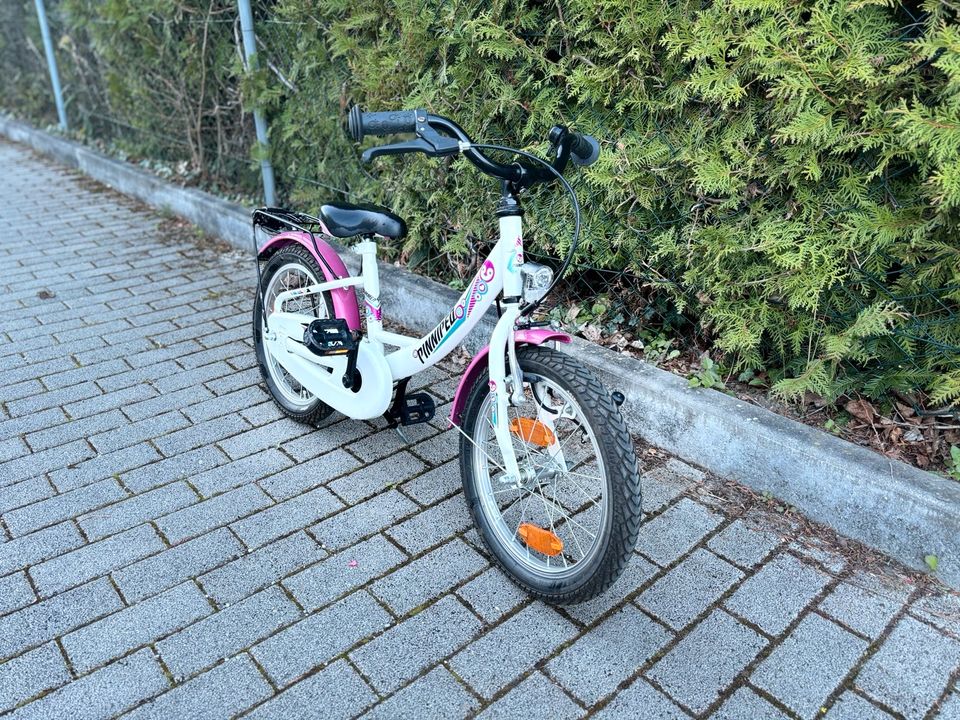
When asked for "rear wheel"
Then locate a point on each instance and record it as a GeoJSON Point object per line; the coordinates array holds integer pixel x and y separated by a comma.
{"type": "Point", "coordinates": [291, 267]}
{"type": "Point", "coordinates": [566, 528]}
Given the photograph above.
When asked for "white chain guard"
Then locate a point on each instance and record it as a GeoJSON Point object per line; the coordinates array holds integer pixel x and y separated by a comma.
{"type": "Point", "coordinates": [323, 376]}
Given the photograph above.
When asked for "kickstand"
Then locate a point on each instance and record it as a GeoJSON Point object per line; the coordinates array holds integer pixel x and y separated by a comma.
{"type": "Point", "coordinates": [403, 437]}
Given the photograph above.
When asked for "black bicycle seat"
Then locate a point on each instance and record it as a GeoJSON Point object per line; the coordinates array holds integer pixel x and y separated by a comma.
{"type": "Point", "coordinates": [343, 220]}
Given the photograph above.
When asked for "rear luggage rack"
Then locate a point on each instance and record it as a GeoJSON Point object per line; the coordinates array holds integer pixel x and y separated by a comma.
{"type": "Point", "coordinates": [274, 220]}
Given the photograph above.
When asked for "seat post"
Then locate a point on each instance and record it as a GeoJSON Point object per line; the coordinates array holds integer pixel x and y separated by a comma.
{"type": "Point", "coordinates": [367, 249]}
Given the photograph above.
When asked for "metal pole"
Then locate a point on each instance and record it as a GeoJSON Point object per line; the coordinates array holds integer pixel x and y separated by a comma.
{"type": "Point", "coordinates": [51, 63]}
{"type": "Point", "coordinates": [249, 49]}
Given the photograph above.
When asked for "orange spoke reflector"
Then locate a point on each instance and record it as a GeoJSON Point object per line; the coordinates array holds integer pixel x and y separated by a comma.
{"type": "Point", "coordinates": [543, 541]}
{"type": "Point", "coordinates": [533, 431]}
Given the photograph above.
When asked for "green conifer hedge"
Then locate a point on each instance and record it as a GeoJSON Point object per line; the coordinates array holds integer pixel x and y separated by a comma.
{"type": "Point", "coordinates": [786, 172]}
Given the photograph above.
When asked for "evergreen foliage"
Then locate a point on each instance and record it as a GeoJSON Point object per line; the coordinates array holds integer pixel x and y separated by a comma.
{"type": "Point", "coordinates": [787, 174]}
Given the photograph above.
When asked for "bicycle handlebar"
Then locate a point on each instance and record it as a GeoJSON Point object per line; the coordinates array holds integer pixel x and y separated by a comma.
{"type": "Point", "coordinates": [583, 150]}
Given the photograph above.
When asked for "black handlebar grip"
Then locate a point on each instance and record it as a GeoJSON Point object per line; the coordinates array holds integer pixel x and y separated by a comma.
{"type": "Point", "coordinates": [362, 123]}
{"type": "Point", "coordinates": [584, 150]}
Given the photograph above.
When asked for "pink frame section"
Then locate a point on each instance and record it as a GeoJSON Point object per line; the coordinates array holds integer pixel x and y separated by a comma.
{"type": "Point", "coordinates": [344, 299]}
{"type": "Point", "coordinates": [534, 336]}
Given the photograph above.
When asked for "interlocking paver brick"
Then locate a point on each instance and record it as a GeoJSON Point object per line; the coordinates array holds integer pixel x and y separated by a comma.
{"type": "Point", "coordinates": [261, 438]}
{"type": "Point", "coordinates": [170, 567]}
{"type": "Point", "coordinates": [220, 510]}
{"type": "Point", "coordinates": [75, 429]}
{"type": "Point", "coordinates": [743, 545]}
{"type": "Point", "coordinates": [599, 661]}
{"type": "Point", "coordinates": [35, 464]}
{"type": "Point", "coordinates": [696, 684]}
{"type": "Point", "coordinates": [53, 398]}
{"type": "Point", "coordinates": [201, 434]}
{"type": "Point", "coordinates": [387, 442]}
{"type": "Point", "coordinates": [405, 650]}
{"type": "Point", "coordinates": [338, 689]}
{"type": "Point", "coordinates": [99, 558]}
{"type": "Point", "coordinates": [38, 546]}
{"type": "Point", "coordinates": [31, 674]}
{"type": "Point", "coordinates": [61, 507]}
{"type": "Point", "coordinates": [777, 593]}
{"type": "Point", "coordinates": [249, 573]}
{"type": "Point", "coordinates": [135, 433]}
{"type": "Point", "coordinates": [15, 592]}
{"type": "Point", "coordinates": [335, 433]}
{"type": "Point", "coordinates": [65, 378]}
{"type": "Point", "coordinates": [536, 691]}
{"type": "Point", "coordinates": [745, 704]}
{"type": "Point", "coordinates": [179, 467]}
{"type": "Point", "coordinates": [641, 699]}
{"type": "Point", "coordinates": [102, 694]}
{"type": "Point", "coordinates": [308, 475]}
{"type": "Point", "coordinates": [659, 487]}
{"type": "Point", "coordinates": [327, 580]}
{"type": "Point", "coordinates": [165, 402]}
{"type": "Point", "coordinates": [103, 466]}
{"type": "Point", "coordinates": [435, 696]}
{"type": "Point", "coordinates": [285, 517]}
{"type": "Point", "coordinates": [109, 401]}
{"type": "Point", "coordinates": [531, 634]}
{"type": "Point", "coordinates": [25, 492]}
{"type": "Point", "coordinates": [492, 595]}
{"type": "Point", "coordinates": [319, 638]}
{"type": "Point", "coordinates": [433, 525]}
{"type": "Point", "coordinates": [690, 588]}
{"type": "Point", "coordinates": [219, 694]}
{"type": "Point", "coordinates": [827, 653]}
{"type": "Point", "coordinates": [865, 603]}
{"type": "Point", "coordinates": [817, 550]}
{"type": "Point", "coordinates": [130, 377]}
{"type": "Point", "coordinates": [434, 485]}
{"type": "Point", "coordinates": [364, 519]}
{"type": "Point", "coordinates": [940, 609]}
{"type": "Point", "coordinates": [43, 621]}
{"type": "Point", "coordinates": [950, 709]}
{"type": "Point", "coordinates": [141, 624]}
{"type": "Point", "coordinates": [854, 707]}
{"type": "Point", "coordinates": [427, 577]}
{"type": "Point", "coordinates": [911, 669]}
{"type": "Point", "coordinates": [637, 572]}
{"type": "Point", "coordinates": [226, 632]}
{"type": "Point", "coordinates": [377, 477]}
{"type": "Point", "coordinates": [191, 379]}
{"type": "Point", "coordinates": [12, 448]}
{"type": "Point", "coordinates": [137, 509]}
{"type": "Point", "coordinates": [240, 472]}
{"type": "Point", "coordinates": [671, 534]}
{"type": "Point", "coordinates": [22, 425]}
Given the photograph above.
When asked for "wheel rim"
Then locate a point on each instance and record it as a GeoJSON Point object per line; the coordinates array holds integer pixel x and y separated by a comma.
{"type": "Point", "coordinates": [573, 505]}
{"type": "Point", "coordinates": [289, 277]}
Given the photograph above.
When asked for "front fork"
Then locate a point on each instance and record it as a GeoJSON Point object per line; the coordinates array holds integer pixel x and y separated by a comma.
{"type": "Point", "coordinates": [507, 382]}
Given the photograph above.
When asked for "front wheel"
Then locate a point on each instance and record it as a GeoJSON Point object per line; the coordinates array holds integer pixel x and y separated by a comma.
{"type": "Point", "coordinates": [566, 528]}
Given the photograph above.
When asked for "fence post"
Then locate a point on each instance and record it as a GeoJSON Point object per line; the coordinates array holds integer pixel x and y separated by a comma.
{"type": "Point", "coordinates": [51, 63]}
{"type": "Point", "coordinates": [249, 49]}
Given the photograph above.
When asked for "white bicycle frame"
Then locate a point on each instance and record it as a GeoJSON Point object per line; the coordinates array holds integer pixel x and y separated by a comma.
{"type": "Point", "coordinates": [500, 272]}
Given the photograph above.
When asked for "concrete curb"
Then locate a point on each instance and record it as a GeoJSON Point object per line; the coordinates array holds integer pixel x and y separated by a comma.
{"type": "Point", "coordinates": [896, 508]}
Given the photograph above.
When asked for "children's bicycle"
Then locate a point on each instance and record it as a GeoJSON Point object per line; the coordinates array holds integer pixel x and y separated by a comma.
{"type": "Point", "coordinates": [548, 467]}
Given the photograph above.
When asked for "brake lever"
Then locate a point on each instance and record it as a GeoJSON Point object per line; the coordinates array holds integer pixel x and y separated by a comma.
{"type": "Point", "coordinates": [399, 148]}
{"type": "Point", "coordinates": [429, 142]}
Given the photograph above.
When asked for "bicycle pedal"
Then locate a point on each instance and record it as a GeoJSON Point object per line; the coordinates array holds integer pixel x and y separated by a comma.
{"type": "Point", "coordinates": [331, 336]}
{"type": "Point", "coordinates": [416, 408]}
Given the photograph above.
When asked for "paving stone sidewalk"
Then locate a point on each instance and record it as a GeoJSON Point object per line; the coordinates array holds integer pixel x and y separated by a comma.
{"type": "Point", "coordinates": [170, 547]}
